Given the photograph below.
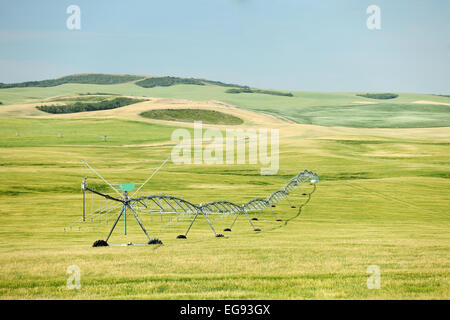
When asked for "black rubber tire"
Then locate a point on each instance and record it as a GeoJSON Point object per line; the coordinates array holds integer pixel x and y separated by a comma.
{"type": "Point", "coordinates": [154, 241]}
{"type": "Point", "coordinates": [181, 236]}
{"type": "Point", "coordinates": [257, 229]}
{"type": "Point", "coordinates": [227, 229]}
{"type": "Point", "coordinates": [100, 243]}
{"type": "Point", "coordinates": [219, 235]}
{"type": "Point", "coordinates": [255, 219]}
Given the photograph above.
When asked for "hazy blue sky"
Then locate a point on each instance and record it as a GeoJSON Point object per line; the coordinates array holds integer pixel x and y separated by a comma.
{"type": "Point", "coordinates": [295, 45]}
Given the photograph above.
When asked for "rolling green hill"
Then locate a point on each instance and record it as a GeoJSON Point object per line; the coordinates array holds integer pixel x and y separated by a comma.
{"type": "Point", "coordinates": [76, 78]}
{"type": "Point", "coordinates": [326, 109]}
{"type": "Point", "coordinates": [152, 82]}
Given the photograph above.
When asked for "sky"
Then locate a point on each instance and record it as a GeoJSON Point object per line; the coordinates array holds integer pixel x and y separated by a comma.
{"type": "Point", "coordinates": [322, 45]}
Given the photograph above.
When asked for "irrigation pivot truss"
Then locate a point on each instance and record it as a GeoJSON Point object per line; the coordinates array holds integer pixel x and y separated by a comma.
{"type": "Point", "coordinates": [183, 209]}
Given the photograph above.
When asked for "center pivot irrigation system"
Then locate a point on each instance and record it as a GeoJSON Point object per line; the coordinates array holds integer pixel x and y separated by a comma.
{"type": "Point", "coordinates": [168, 204]}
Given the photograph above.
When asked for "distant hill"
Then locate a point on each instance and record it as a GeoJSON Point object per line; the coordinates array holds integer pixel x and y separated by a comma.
{"type": "Point", "coordinates": [76, 78]}
{"type": "Point", "coordinates": [344, 109]}
{"type": "Point", "coordinates": [99, 78]}
{"type": "Point", "coordinates": [152, 82]}
{"type": "Point", "coordinates": [141, 81]}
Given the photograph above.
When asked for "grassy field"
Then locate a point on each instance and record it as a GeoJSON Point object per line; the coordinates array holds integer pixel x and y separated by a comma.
{"type": "Point", "coordinates": [380, 115]}
{"type": "Point", "coordinates": [383, 200]}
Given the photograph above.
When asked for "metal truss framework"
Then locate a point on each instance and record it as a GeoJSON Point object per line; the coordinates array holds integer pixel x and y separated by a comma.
{"type": "Point", "coordinates": [182, 209]}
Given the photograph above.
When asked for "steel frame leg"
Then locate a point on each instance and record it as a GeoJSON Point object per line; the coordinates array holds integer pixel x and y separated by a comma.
{"type": "Point", "coordinates": [290, 204]}
{"type": "Point", "coordinates": [115, 223]}
{"type": "Point", "coordinates": [193, 220]}
{"type": "Point", "coordinates": [271, 209]}
{"type": "Point", "coordinates": [139, 221]}
{"type": "Point", "coordinates": [207, 220]}
{"type": "Point", "coordinates": [125, 219]}
{"type": "Point", "coordinates": [237, 215]}
{"type": "Point", "coordinates": [249, 220]}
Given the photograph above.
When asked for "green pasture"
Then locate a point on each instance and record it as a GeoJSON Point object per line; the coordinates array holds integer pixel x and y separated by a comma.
{"type": "Point", "coordinates": [78, 131]}
{"type": "Point", "coordinates": [382, 115]}
{"type": "Point", "coordinates": [381, 201]}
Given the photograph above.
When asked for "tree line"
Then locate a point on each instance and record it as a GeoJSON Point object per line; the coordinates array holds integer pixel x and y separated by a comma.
{"type": "Point", "coordinates": [249, 90]}
{"type": "Point", "coordinates": [382, 96]}
{"type": "Point", "coordinates": [170, 81]}
{"type": "Point", "coordinates": [88, 106]}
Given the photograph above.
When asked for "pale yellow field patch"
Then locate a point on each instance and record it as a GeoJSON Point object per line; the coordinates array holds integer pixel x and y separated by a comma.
{"type": "Point", "coordinates": [23, 110]}
{"type": "Point", "coordinates": [364, 102]}
{"type": "Point", "coordinates": [431, 102]}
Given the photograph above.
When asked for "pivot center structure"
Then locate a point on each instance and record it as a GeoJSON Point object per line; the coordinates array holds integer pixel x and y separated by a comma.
{"type": "Point", "coordinates": [125, 202]}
